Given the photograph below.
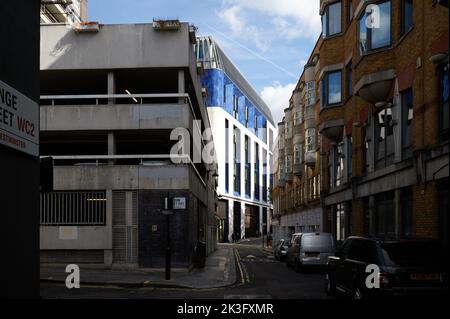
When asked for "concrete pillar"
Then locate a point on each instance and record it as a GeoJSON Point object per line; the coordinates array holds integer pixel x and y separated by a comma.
{"type": "Point", "coordinates": [181, 85]}
{"type": "Point", "coordinates": [108, 256]}
{"type": "Point", "coordinates": [111, 86]}
{"type": "Point", "coordinates": [111, 146]}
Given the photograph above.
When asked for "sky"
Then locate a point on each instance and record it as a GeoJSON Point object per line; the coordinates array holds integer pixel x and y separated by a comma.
{"type": "Point", "coordinates": [268, 40]}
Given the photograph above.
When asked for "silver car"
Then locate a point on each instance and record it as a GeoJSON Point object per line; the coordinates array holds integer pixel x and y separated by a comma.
{"type": "Point", "coordinates": [311, 249]}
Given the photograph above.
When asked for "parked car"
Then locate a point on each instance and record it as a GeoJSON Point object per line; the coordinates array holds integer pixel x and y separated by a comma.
{"type": "Point", "coordinates": [280, 249]}
{"type": "Point", "coordinates": [406, 268]}
{"type": "Point", "coordinates": [310, 249]}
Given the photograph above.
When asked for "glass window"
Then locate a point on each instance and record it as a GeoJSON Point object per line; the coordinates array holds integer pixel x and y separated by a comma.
{"type": "Point", "coordinates": [235, 107]}
{"type": "Point", "coordinates": [333, 88]}
{"type": "Point", "coordinates": [407, 115]}
{"type": "Point", "coordinates": [310, 93]}
{"type": "Point", "coordinates": [407, 16]}
{"type": "Point", "coordinates": [332, 19]}
{"type": "Point", "coordinates": [297, 154]}
{"type": "Point", "coordinates": [226, 157]}
{"type": "Point", "coordinates": [310, 140]}
{"type": "Point", "coordinates": [288, 163]}
{"type": "Point", "coordinates": [363, 35]}
{"type": "Point", "coordinates": [375, 27]}
{"type": "Point", "coordinates": [385, 215]}
{"type": "Point", "coordinates": [349, 11]}
{"type": "Point", "coordinates": [381, 37]}
{"type": "Point", "coordinates": [444, 114]}
{"type": "Point", "coordinates": [406, 212]}
{"type": "Point", "coordinates": [384, 133]}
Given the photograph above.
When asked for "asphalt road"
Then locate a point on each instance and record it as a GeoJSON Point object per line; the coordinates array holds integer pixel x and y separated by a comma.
{"type": "Point", "coordinates": [260, 276]}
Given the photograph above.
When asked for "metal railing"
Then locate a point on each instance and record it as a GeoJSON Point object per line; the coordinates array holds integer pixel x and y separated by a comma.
{"type": "Point", "coordinates": [137, 98]}
{"type": "Point", "coordinates": [73, 208]}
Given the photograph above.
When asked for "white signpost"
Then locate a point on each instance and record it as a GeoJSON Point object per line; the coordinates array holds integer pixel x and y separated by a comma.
{"type": "Point", "coordinates": [19, 121]}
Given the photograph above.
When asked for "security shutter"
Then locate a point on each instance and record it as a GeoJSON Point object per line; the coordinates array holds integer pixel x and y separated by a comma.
{"type": "Point", "coordinates": [125, 228]}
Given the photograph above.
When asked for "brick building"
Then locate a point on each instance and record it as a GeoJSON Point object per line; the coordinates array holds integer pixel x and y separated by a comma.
{"type": "Point", "coordinates": [380, 73]}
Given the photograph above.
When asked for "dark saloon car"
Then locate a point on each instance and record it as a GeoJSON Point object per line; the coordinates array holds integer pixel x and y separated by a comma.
{"type": "Point", "coordinates": [407, 268]}
{"type": "Point", "coordinates": [280, 249]}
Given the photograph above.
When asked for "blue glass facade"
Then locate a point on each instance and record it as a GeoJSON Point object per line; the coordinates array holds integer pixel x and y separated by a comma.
{"type": "Point", "coordinates": [221, 93]}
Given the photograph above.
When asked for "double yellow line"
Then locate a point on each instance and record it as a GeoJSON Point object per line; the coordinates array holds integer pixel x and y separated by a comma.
{"type": "Point", "coordinates": [245, 278]}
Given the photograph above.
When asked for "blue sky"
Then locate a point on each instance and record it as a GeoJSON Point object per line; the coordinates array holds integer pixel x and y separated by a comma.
{"type": "Point", "coordinates": [268, 40]}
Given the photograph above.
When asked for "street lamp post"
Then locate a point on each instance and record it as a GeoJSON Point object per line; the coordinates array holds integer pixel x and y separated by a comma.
{"type": "Point", "coordinates": [167, 211]}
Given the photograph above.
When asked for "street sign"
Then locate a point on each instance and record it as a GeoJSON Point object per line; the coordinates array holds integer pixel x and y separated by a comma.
{"type": "Point", "coordinates": [179, 203]}
{"type": "Point", "coordinates": [19, 121]}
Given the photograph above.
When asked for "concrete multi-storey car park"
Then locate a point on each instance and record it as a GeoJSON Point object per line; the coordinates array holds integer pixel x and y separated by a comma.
{"type": "Point", "coordinates": [110, 97]}
{"type": "Point", "coordinates": [243, 127]}
{"type": "Point", "coordinates": [382, 115]}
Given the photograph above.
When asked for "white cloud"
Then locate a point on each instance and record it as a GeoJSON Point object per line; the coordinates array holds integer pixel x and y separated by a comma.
{"type": "Point", "coordinates": [235, 18]}
{"type": "Point", "coordinates": [277, 98]}
{"type": "Point", "coordinates": [290, 19]}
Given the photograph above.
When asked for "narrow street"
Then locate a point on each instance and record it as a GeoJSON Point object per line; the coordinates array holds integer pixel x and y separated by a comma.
{"type": "Point", "coordinates": [259, 276]}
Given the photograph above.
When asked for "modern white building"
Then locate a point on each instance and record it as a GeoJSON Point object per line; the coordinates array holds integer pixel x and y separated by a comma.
{"type": "Point", "coordinates": [243, 131]}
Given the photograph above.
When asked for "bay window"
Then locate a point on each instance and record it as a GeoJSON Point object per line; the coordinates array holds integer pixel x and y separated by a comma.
{"type": "Point", "coordinates": [384, 138]}
{"type": "Point", "coordinates": [332, 19]}
{"type": "Point", "coordinates": [297, 154]}
{"type": "Point", "coordinates": [407, 16]}
{"type": "Point", "coordinates": [310, 141]}
{"type": "Point", "coordinates": [375, 27]}
{"type": "Point", "coordinates": [332, 88]}
{"type": "Point", "coordinates": [310, 93]}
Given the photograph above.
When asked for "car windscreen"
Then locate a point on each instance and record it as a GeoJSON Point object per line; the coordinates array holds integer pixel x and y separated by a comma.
{"type": "Point", "coordinates": [410, 254]}
{"type": "Point", "coordinates": [318, 243]}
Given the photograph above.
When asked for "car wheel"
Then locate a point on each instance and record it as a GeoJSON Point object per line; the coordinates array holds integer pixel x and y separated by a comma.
{"type": "Point", "coordinates": [330, 285]}
{"type": "Point", "coordinates": [358, 294]}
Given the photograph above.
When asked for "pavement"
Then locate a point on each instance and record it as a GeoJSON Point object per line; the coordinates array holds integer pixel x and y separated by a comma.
{"type": "Point", "coordinates": [219, 271]}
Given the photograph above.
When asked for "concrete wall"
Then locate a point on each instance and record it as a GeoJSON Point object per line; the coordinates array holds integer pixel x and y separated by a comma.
{"type": "Point", "coordinates": [114, 47]}
{"type": "Point", "coordinates": [115, 117]}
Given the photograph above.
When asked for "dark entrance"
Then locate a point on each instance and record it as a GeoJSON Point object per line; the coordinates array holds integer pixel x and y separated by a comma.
{"type": "Point", "coordinates": [251, 221]}
{"type": "Point", "coordinates": [237, 219]}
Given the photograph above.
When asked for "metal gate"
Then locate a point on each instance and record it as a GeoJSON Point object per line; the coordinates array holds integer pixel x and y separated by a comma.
{"type": "Point", "coordinates": [125, 227]}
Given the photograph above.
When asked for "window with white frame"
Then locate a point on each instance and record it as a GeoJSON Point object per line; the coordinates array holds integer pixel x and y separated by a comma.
{"type": "Point", "coordinates": [310, 93]}
{"type": "Point", "coordinates": [297, 154]}
{"type": "Point", "coordinates": [310, 140]}
{"type": "Point", "coordinates": [288, 163]}
{"type": "Point", "coordinates": [297, 117]}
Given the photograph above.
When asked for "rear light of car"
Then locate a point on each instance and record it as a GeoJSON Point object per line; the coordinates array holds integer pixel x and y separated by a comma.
{"type": "Point", "coordinates": [384, 281]}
